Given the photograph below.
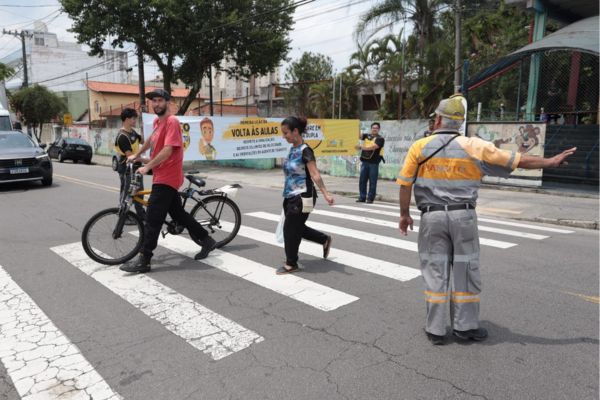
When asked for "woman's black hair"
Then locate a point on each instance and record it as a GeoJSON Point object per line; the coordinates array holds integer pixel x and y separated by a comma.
{"type": "Point", "coordinates": [295, 123]}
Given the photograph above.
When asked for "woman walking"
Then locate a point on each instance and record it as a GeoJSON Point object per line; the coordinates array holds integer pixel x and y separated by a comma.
{"type": "Point", "coordinates": [300, 170]}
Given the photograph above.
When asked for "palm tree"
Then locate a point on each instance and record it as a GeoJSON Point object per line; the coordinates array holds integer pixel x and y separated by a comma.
{"type": "Point", "coordinates": [422, 13]}
{"type": "Point", "coordinates": [364, 63]}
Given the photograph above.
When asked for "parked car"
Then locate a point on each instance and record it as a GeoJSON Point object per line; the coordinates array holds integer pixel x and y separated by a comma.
{"type": "Point", "coordinates": [21, 159]}
{"type": "Point", "coordinates": [71, 149]}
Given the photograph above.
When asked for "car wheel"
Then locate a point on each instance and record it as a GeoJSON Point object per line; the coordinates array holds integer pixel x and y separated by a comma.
{"type": "Point", "coordinates": [47, 181]}
{"type": "Point", "coordinates": [115, 163]}
{"type": "Point", "coordinates": [88, 161]}
{"type": "Point", "coordinates": [61, 158]}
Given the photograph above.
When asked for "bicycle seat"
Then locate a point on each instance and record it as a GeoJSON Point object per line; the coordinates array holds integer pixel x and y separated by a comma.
{"type": "Point", "coordinates": [196, 181]}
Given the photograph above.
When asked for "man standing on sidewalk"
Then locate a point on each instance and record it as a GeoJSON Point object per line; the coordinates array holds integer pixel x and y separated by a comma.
{"type": "Point", "coordinates": [370, 157]}
{"type": "Point", "coordinates": [166, 163]}
{"type": "Point", "coordinates": [446, 170]}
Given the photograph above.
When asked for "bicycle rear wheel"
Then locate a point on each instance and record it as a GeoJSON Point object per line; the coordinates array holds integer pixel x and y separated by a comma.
{"type": "Point", "coordinates": [111, 238]}
{"type": "Point", "coordinates": [220, 216]}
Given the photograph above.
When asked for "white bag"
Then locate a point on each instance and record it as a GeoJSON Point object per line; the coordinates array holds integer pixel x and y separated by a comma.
{"type": "Point", "coordinates": [279, 229]}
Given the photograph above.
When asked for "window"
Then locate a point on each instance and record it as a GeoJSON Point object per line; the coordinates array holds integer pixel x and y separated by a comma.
{"type": "Point", "coordinates": [97, 106]}
{"type": "Point", "coordinates": [39, 41]}
{"type": "Point", "coordinates": [370, 102]}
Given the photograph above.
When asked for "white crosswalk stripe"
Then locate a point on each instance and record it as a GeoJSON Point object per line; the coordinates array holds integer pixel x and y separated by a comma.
{"type": "Point", "coordinates": [316, 295]}
{"type": "Point", "coordinates": [347, 258]}
{"type": "Point", "coordinates": [488, 220]}
{"type": "Point", "coordinates": [202, 328]}
{"type": "Point", "coordinates": [394, 225]}
{"type": "Point", "coordinates": [353, 233]}
{"type": "Point", "coordinates": [40, 360]}
{"type": "Point", "coordinates": [482, 228]}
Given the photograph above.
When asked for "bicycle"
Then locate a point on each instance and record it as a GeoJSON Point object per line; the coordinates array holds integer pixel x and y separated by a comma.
{"type": "Point", "coordinates": [115, 235]}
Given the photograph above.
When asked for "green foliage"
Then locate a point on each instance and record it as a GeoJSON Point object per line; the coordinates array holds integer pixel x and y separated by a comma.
{"type": "Point", "coordinates": [5, 72]}
{"type": "Point", "coordinates": [186, 37]}
{"type": "Point", "coordinates": [37, 105]}
{"type": "Point", "coordinates": [424, 63]}
{"type": "Point", "coordinates": [302, 74]}
{"type": "Point", "coordinates": [321, 97]}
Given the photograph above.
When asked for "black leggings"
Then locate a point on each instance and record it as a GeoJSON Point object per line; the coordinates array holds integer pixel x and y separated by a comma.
{"type": "Point", "coordinates": [295, 229]}
{"type": "Point", "coordinates": [164, 199]}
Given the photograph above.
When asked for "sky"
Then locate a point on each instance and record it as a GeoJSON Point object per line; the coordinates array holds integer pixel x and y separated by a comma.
{"type": "Point", "coordinates": [323, 26]}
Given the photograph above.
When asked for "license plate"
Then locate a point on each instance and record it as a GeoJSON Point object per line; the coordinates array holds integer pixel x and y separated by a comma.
{"type": "Point", "coordinates": [80, 148]}
{"type": "Point", "coordinates": [19, 170]}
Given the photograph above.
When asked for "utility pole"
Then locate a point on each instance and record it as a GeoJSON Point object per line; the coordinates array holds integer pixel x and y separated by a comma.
{"type": "Point", "coordinates": [141, 79]}
{"type": "Point", "coordinates": [210, 90]}
{"type": "Point", "coordinates": [22, 35]}
{"type": "Point", "coordinates": [87, 84]}
{"type": "Point", "coordinates": [333, 99]}
{"type": "Point", "coordinates": [457, 47]}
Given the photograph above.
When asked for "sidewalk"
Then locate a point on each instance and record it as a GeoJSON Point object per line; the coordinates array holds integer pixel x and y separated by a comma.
{"type": "Point", "coordinates": [557, 204]}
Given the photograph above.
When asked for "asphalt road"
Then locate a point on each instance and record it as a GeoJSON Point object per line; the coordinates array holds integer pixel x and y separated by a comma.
{"type": "Point", "coordinates": [351, 329]}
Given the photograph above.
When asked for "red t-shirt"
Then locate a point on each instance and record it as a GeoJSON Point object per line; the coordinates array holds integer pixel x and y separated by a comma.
{"type": "Point", "coordinates": [168, 133]}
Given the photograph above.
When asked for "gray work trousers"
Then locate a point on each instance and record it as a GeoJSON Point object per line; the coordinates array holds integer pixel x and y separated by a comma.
{"type": "Point", "coordinates": [449, 254]}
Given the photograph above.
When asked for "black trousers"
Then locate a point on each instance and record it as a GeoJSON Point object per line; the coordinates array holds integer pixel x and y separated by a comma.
{"type": "Point", "coordinates": [295, 229]}
{"type": "Point", "coordinates": [164, 199]}
{"type": "Point", "coordinates": [139, 208]}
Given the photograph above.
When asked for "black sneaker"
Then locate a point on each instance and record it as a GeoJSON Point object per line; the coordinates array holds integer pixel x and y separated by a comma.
{"type": "Point", "coordinates": [142, 264]}
{"type": "Point", "coordinates": [360, 200]}
{"type": "Point", "coordinates": [436, 340]}
{"type": "Point", "coordinates": [369, 201]}
{"type": "Point", "coordinates": [478, 334]}
{"type": "Point", "coordinates": [208, 245]}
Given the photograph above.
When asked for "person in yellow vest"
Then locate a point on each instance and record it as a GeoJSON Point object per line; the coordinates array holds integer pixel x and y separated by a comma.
{"type": "Point", "coordinates": [445, 170]}
{"type": "Point", "coordinates": [371, 154]}
{"type": "Point", "coordinates": [128, 142]}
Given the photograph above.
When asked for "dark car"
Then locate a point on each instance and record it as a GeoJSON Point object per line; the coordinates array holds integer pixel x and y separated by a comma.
{"type": "Point", "coordinates": [21, 159]}
{"type": "Point", "coordinates": [71, 149]}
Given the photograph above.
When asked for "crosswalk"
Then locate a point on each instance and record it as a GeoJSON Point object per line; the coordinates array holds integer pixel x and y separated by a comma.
{"type": "Point", "coordinates": [44, 364]}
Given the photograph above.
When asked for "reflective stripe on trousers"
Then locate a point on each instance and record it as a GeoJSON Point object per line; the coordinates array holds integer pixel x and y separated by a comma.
{"type": "Point", "coordinates": [449, 255]}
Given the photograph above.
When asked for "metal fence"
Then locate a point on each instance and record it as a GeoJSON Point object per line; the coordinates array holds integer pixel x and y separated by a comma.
{"type": "Point", "coordinates": [563, 90]}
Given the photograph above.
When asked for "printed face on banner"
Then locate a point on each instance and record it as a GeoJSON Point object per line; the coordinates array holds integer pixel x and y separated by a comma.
{"type": "Point", "coordinates": [238, 138]}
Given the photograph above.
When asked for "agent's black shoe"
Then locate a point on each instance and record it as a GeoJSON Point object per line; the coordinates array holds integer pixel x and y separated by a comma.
{"type": "Point", "coordinates": [360, 200]}
{"type": "Point", "coordinates": [436, 340]}
{"type": "Point", "coordinates": [369, 201]}
{"type": "Point", "coordinates": [327, 247]}
{"type": "Point", "coordinates": [478, 334]}
{"type": "Point", "coordinates": [208, 245]}
{"type": "Point", "coordinates": [142, 264]}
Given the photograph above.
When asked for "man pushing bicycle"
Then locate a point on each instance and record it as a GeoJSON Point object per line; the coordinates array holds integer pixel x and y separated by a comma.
{"type": "Point", "coordinates": [166, 164]}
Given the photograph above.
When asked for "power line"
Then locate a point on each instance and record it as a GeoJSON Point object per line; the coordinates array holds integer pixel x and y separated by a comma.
{"type": "Point", "coordinates": [95, 76]}
{"type": "Point", "coordinates": [20, 5]}
{"type": "Point", "coordinates": [100, 64]}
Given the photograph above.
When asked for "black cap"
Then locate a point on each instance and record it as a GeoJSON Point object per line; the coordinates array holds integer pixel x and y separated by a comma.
{"type": "Point", "coordinates": [158, 93]}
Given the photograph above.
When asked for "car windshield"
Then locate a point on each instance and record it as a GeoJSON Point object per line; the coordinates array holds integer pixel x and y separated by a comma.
{"type": "Point", "coordinates": [15, 141]}
{"type": "Point", "coordinates": [75, 141]}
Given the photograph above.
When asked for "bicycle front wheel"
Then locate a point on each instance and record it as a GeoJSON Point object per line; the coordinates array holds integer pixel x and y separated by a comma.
{"type": "Point", "coordinates": [111, 239]}
{"type": "Point", "coordinates": [220, 216]}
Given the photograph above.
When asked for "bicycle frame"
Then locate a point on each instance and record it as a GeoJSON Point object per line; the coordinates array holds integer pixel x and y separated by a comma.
{"type": "Point", "coordinates": [134, 195]}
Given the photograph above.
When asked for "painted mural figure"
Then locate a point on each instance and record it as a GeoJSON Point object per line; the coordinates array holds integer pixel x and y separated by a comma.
{"type": "Point", "coordinates": [207, 128]}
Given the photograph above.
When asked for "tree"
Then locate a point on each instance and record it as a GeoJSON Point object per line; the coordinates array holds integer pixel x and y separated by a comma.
{"type": "Point", "coordinates": [187, 37]}
{"type": "Point", "coordinates": [5, 72]}
{"type": "Point", "coordinates": [37, 106]}
{"type": "Point", "coordinates": [310, 69]}
{"type": "Point", "coordinates": [422, 13]}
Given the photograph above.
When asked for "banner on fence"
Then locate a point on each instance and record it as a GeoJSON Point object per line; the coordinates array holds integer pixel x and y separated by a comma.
{"type": "Point", "coordinates": [235, 138]}
{"type": "Point", "coordinates": [525, 138]}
